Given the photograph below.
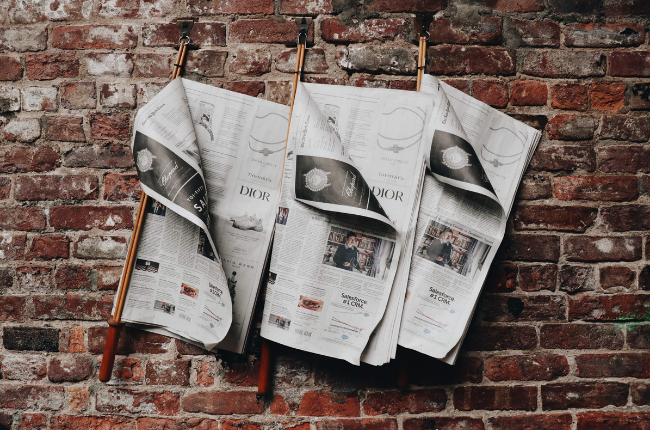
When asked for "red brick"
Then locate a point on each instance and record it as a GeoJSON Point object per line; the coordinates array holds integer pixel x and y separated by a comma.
{"type": "Point", "coordinates": [529, 422]}
{"type": "Point", "coordinates": [575, 279]}
{"type": "Point", "coordinates": [412, 402]}
{"type": "Point", "coordinates": [629, 63]}
{"type": "Point", "coordinates": [502, 278]}
{"type": "Point", "coordinates": [122, 187]}
{"type": "Point", "coordinates": [329, 404]}
{"type": "Point", "coordinates": [168, 372]}
{"type": "Point", "coordinates": [523, 308]}
{"type": "Point", "coordinates": [581, 336]}
{"type": "Point", "coordinates": [536, 247]}
{"type": "Point", "coordinates": [602, 248]}
{"type": "Point", "coordinates": [108, 277]}
{"type": "Point", "coordinates": [563, 64]}
{"type": "Point", "coordinates": [94, 37]}
{"type": "Point", "coordinates": [334, 31]}
{"type": "Point", "coordinates": [39, 99]}
{"type": "Point", "coordinates": [603, 35]}
{"type": "Point", "coordinates": [402, 85]}
{"type": "Point", "coordinates": [619, 307]}
{"type": "Point", "coordinates": [29, 338]}
{"type": "Point", "coordinates": [117, 96]}
{"type": "Point", "coordinates": [135, 8]}
{"type": "Point", "coordinates": [251, 88]}
{"type": "Point", "coordinates": [279, 92]}
{"type": "Point", "coordinates": [492, 92]}
{"type": "Point", "coordinates": [126, 400]}
{"type": "Point", "coordinates": [239, 372]}
{"type": "Point", "coordinates": [109, 64]}
{"type": "Point", "coordinates": [149, 65]}
{"type": "Point", "coordinates": [376, 59]}
{"type": "Point", "coordinates": [572, 127]}
{"type": "Point", "coordinates": [99, 247]}
{"type": "Point", "coordinates": [583, 395]}
{"type": "Point", "coordinates": [78, 95]}
{"type": "Point", "coordinates": [459, 84]}
{"type": "Point", "coordinates": [150, 423]}
{"type": "Point", "coordinates": [564, 218]}
{"type": "Point", "coordinates": [48, 247]}
{"type": "Point", "coordinates": [5, 188]}
{"type": "Point", "coordinates": [33, 422]}
{"type": "Point", "coordinates": [206, 63]}
{"type": "Point", "coordinates": [251, 62]}
{"type": "Point", "coordinates": [21, 39]}
{"type": "Point", "coordinates": [621, 127]}
{"type": "Point", "coordinates": [202, 34]}
{"type": "Point", "coordinates": [32, 278]}
{"type": "Point", "coordinates": [73, 368]}
{"type": "Point", "coordinates": [10, 68]}
{"type": "Point", "coordinates": [568, 157]}
{"type": "Point", "coordinates": [111, 126]}
{"type": "Point", "coordinates": [12, 246]}
{"type": "Point", "coordinates": [495, 398]}
{"type": "Point", "coordinates": [71, 340]}
{"type": "Point", "coordinates": [314, 62]}
{"type": "Point", "coordinates": [72, 277]}
{"type": "Point", "coordinates": [22, 129]}
{"type": "Point", "coordinates": [626, 7]}
{"type": "Point", "coordinates": [105, 157]}
{"type": "Point", "coordinates": [366, 82]}
{"type": "Point", "coordinates": [416, 6]}
{"type": "Point", "coordinates": [32, 397]}
{"type": "Point", "coordinates": [456, 60]}
{"type": "Point", "coordinates": [204, 374]}
{"type": "Point", "coordinates": [640, 394]}
{"type": "Point", "coordinates": [126, 371]}
{"type": "Point", "coordinates": [64, 128]}
{"type": "Point", "coordinates": [613, 365]}
{"type": "Point", "coordinates": [528, 93]}
{"type": "Point", "coordinates": [526, 368]}
{"type": "Point", "coordinates": [51, 187]}
{"type": "Point", "coordinates": [640, 96]}
{"type": "Point", "coordinates": [607, 95]}
{"type": "Point", "coordinates": [515, 5]}
{"type": "Point", "coordinates": [617, 276]}
{"type": "Point", "coordinates": [626, 217]}
{"type": "Point", "coordinates": [266, 31]}
{"type": "Point", "coordinates": [613, 420]}
{"type": "Point", "coordinates": [537, 32]}
{"type": "Point", "coordinates": [202, 7]}
{"type": "Point", "coordinates": [72, 306]}
{"type": "Point", "coordinates": [497, 338]}
{"type": "Point", "coordinates": [359, 424]}
{"type": "Point", "coordinates": [72, 422]}
{"type": "Point", "coordinates": [78, 398]}
{"type": "Point", "coordinates": [644, 277]}
{"type": "Point", "coordinates": [51, 65]}
{"type": "Point", "coordinates": [89, 217]}
{"type": "Point", "coordinates": [24, 367]}
{"type": "Point", "coordinates": [132, 341]}
{"type": "Point", "coordinates": [486, 31]}
{"type": "Point", "coordinates": [535, 187]}
{"type": "Point", "coordinates": [22, 218]}
{"type": "Point", "coordinates": [537, 277]}
{"type": "Point", "coordinates": [569, 96]}
{"type": "Point", "coordinates": [596, 188]}
{"type": "Point", "coordinates": [623, 158]}
{"type": "Point", "coordinates": [223, 402]}
{"type": "Point", "coordinates": [302, 7]}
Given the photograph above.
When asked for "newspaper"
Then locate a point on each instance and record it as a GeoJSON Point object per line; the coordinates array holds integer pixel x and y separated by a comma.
{"type": "Point", "coordinates": [235, 145]}
{"type": "Point", "coordinates": [477, 158]}
{"type": "Point", "coordinates": [352, 186]}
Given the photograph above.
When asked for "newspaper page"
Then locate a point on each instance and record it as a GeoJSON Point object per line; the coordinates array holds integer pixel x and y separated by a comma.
{"type": "Point", "coordinates": [460, 229]}
{"type": "Point", "coordinates": [346, 205]}
{"type": "Point", "coordinates": [178, 281]}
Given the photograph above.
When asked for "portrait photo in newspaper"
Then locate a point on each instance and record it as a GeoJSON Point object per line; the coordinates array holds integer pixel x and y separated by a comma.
{"type": "Point", "coordinates": [358, 253]}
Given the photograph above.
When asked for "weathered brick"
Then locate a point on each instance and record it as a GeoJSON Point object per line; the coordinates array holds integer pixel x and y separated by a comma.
{"type": "Point", "coordinates": [78, 95]}
{"type": "Point", "coordinates": [613, 365]}
{"type": "Point", "coordinates": [497, 338]}
{"type": "Point", "coordinates": [502, 278]}
{"type": "Point", "coordinates": [31, 397]}
{"type": "Point", "coordinates": [349, 424]}
{"type": "Point", "coordinates": [64, 128]}
{"type": "Point", "coordinates": [602, 248]}
{"type": "Point", "coordinates": [71, 340]}
{"type": "Point", "coordinates": [48, 247]}
{"type": "Point", "coordinates": [603, 35]}
{"type": "Point", "coordinates": [530, 247]}
{"type": "Point", "coordinates": [459, 84]}
{"type": "Point", "coordinates": [51, 187]}
{"type": "Point", "coordinates": [536, 32]}
{"type": "Point", "coordinates": [617, 276]}
{"type": "Point", "coordinates": [575, 279]}
{"type": "Point", "coordinates": [543, 217]}
{"type": "Point", "coordinates": [132, 341]}
{"type": "Point", "coordinates": [150, 423]}
{"type": "Point", "coordinates": [366, 82]}
{"type": "Point", "coordinates": [31, 339]}
{"type": "Point", "coordinates": [251, 88]}
{"type": "Point", "coordinates": [9, 99]}
{"type": "Point", "coordinates": [151, 65]}
{"type": "Point", "coordinates": [613, 420]}
{"type": "Point", "coordinates": [443, 423]}
{"type": "Point", "coordinates": [638, 336]}
{"type": "Point", "coordinates": [523, 308]}
{"type": "Point", "coordinates": [39, 98]}
{"type": "Point", "coordinates": [94, 247]}
{"type": "Point", "coordinates": [224, 402]}
{"type": "Point", "coordinates": [456, 60]}
{"type": "Point", "coordinates": [485, 31]}
{"type": "Point", "coordinates": [218, 7]}
{"type": "Point", "coordinates": [626, 7]}
{"type": "Point", "coordinates": [567, 157]}
{"type": "Point", "coordinates": [629, 63]}
{"type": "Point", "coordinates": [621, 127]}
{"type": "Point", "coordinates": [22, 129]}
{"type": "Point", "coordinates": [89, 217]}
{"type": "Point", "coordinates": [206, 63]}
{"type": "Point", "coordinates": [535, 187]}
{"type": "Point", "coordinates": [10, 68]}
{"type": "Point", "coordinates": [596, 188]}
{"type": "Point", "coordinates": [72, 307]}
{"type": "Point", "coordinates": [202, 34]}
{"type": "Point", "coordinates": [301, 7]}
{"type": "Point", "coordinates": [109, 126]}
{"type": "Point", "coordinates": [108, 277]}
{"type": "Point", "coordinates": [492, 92]}
{"type": "Point", "coordinates": [623, 158]}
{"type": "Point", "coordinates": [583, 395]}
{"type": "Point", "coordinates": [617, 307]}
{"type": "Point", "coordinates": [104, 157]}
{"type": "Point", "coordinates": [640, 394]}
{"type": "Point", "coordinates": [117, 95]}
{"type": "Point", "coordinates": [279, 92]}
{"type": "Point", "coordinates": [73, 368]}
{"type": "Point", "coordinates": [569, 96]}
{"type": "Point", "coordinates": [168, 372]}
{"type": "Point", "coordinates": [329, 404]}
{"type": "Point", "coordinates": [109, 64]}
{"type": "Point", "coordinates": [537, 277]}
{"type": "Point", "coordinates": [314, 61]}
{"type": "Point", "coordinates": [525, 422]}
{"type": "Point", "coordinates": [515, 5]}
{"type": "Point", "coordinates": [626, 217]}
{"type": "Point", "coordinates": [5, 187]}
{"type": "Point", "coordinates": [413, 402]}
{"type": "Point", "coordinates": [335, 31]}
{"type": "Point", "coordinates": [126, 400]}
{"type": "Point", "coordinates": [22, 39]}
{"type": "Point", "coordinates": [583, 7]}
{"type": "Point", "coordinates": [416, 6]}
{"type": "Point", "coordinates": [24, 367]}
{"type": "Point", "coordinates": [572, 127]}
{"type": "Point", "coordinates": [251, 62]}
{"type": "Point", "coordinates": [526, 368]}
{"type": "Point", "coordinates": [33, 278]}
{"type": "Point", "coordinates": [72, 277]}
{"type": "Point", "coordinates": [377, 59]}
{"type": "Point", "coordinates": [28, 12]}
{"type": "Point", "coordinates": [122, 187]}
{"type": "Point", "coordinates": [640, 96]}
{"type": "Point", "coordinates": [95, 37]}
{"type": "Point", "coordinates": [51, 65]}
{"type": "Point", "coordinates": [19, 159]}
{"type": "Point", "coordinates": [135, 8]}
{"type": "Point", "coordinates": [495, 398]}
{"type": "Point", "coordinates": [266, 31]}
{"type": "Point", "coordinates": [563, 64]}
{"type": "Point", "coordinates": [581, 336]}
{"type": "Point", "coordinates": [69, 422]}
{"type": "Point", "coordinates": [22, 218]}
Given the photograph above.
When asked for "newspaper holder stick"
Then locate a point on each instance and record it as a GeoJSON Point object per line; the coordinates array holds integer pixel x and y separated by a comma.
{"type": "Point", "coordinates": [264, 382]}
{"type": "Point", "coordinates": [115, 324]}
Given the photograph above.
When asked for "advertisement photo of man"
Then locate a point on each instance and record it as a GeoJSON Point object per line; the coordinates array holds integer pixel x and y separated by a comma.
{"type": "Point", "coordinates": [346, 257]}
{"type": "Point", "coordinates": [440, 249]}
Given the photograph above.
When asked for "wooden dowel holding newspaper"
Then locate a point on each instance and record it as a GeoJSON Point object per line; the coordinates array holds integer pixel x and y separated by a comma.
{"type": "Point", "coordinates": [115, 323]}
{"type": "Point", "coordinates": [264, 382]}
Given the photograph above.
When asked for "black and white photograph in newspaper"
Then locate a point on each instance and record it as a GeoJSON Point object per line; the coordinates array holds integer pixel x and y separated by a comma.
{"type": "Point", "coordinates": [146, 265]}
{"type": "Point", "coordinates": [358, 252]}
{"type": "Point", "coordinates": [166, 307]}
{"type": "Point", "coordinates": [282, 216]}
{"type": "Point", "coordinates": [452, 249]}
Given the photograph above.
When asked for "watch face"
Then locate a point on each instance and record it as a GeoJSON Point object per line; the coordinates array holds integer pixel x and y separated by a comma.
{"type": "Point", "coordinates": [455, 158]}
{"type": "Point", "coordinates": [145, 160]}
{"type": "Point", "coordinates": [316, 179]}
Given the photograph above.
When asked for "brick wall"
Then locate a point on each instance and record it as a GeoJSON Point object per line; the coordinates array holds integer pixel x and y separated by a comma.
{"type": "Point", "coordinates": [559, 340]}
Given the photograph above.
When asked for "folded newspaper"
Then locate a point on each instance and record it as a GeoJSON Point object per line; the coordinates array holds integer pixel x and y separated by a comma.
{"type": "Point", "coordinates": [391, 209]}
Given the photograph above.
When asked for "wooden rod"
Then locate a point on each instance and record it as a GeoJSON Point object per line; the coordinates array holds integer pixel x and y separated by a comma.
{"type": "Point", "coordinates": [115, 323]}
{"type": "Point", "coordinates": [422, 58]}
{"type": "Point", "coordinates": [264, 381]}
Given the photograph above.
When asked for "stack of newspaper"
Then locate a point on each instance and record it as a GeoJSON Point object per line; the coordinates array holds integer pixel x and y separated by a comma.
{"type": "Point", "coordinates": [387, 207]}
